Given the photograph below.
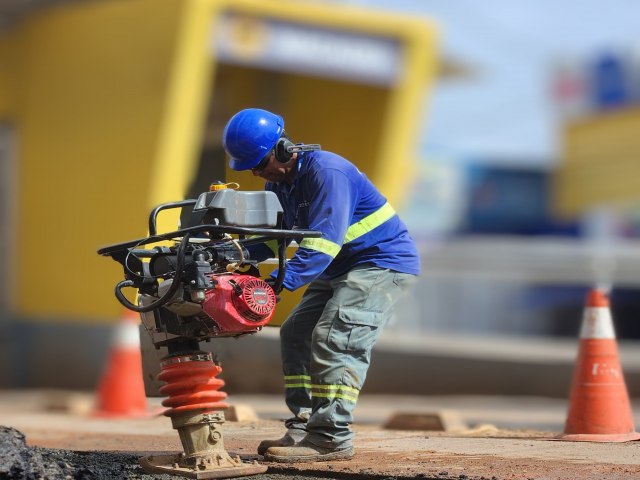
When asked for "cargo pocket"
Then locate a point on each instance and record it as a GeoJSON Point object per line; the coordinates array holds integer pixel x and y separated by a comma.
{"type": "Point", "coordinates": [354, 330]}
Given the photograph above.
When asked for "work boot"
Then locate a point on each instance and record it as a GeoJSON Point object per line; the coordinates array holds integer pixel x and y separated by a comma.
{"type": "Point", "coordinates": [306, 451]}
{"type": "Point", "coordinates": [293, 436]}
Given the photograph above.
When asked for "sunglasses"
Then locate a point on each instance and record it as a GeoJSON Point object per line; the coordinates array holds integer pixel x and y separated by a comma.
{"type": "Point", "coordinates": [263, 163]}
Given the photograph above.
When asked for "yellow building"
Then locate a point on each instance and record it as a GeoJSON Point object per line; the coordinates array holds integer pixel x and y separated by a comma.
{"type": "Point", "coordinates": [108, 108]}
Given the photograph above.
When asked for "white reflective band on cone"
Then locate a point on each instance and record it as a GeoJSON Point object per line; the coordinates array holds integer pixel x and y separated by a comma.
{"type": "Point", "coordinates": [127, 336]}
{"type": "Point", "coordinates": [597, 323]}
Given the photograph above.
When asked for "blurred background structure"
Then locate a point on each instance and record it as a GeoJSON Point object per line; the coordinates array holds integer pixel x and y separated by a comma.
{"type": "Point", "coordinates": [506, 135]}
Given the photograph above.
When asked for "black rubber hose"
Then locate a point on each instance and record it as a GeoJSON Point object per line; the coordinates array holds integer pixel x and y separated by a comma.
{"type": "Point", "coordinates": [282, 265]}
{"type": "Point", "coordinates": [169, 293]}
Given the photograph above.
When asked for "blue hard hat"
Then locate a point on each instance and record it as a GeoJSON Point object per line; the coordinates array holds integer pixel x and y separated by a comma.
{"type": "Point", "coordinates": [250, 135]}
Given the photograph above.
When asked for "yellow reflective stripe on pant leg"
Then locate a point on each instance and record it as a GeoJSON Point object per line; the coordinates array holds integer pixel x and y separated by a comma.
{"type": "Point", "coordinates": [331, 395]}
{"type": "Point", "coordinates": [321, 245]}
{"type": "Point", "coordinates": [335, 395]}
{"type": "Point", "coordinates": [369, 222]}
{"type": "Point", "coordinates": [297, 381]}
{"type": "Point", "coordinates": [335, 391]}
{"type": "Point", "coordinates": [297, 377]}
{"type": "Point", "coordinates": [355, 391]}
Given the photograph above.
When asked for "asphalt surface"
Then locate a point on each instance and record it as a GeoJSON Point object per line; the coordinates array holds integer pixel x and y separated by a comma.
{"type": "Point", "coordinates": [488, 438]}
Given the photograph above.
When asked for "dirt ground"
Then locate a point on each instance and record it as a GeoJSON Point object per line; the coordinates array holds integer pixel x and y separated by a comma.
{"type": "Point", "coordinates": [51, 444]}
{"type": "Point", "coordinates": [19, 461]}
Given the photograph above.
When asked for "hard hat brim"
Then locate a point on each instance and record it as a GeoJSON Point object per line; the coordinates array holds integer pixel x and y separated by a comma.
{"type": "Point", "coordinates": [241, 165]}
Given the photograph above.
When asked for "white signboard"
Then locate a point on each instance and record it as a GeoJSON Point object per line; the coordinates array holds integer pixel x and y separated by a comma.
{"type": "Point", "coordinates": [293, 47]}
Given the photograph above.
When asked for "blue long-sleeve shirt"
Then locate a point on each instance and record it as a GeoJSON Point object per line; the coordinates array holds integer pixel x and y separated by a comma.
{"type": "Point", "coordinates": [358, 226]}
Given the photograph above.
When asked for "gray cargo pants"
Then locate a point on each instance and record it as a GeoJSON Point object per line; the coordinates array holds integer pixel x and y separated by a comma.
{"type": "Point", "coordinates": [326, 345]}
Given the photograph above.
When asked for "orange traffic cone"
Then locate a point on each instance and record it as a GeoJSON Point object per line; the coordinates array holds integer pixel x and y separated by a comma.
{"type": "Point", "coordinates": [120, 392]}
{"type": "Point", "coordinates": [599, 407]}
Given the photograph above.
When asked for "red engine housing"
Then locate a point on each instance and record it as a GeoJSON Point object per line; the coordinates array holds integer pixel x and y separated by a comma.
{"type": "Point", "coordinates": [239, 304]}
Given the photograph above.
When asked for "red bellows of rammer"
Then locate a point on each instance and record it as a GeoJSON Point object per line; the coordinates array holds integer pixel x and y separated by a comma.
{"type": "Point", "coordinates": [192, 386]}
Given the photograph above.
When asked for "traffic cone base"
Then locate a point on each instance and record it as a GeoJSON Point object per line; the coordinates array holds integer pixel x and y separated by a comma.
{"type": "Point", "coordinates": [599, 407]}
{"type": "Point", "coordinates": [594, 437]}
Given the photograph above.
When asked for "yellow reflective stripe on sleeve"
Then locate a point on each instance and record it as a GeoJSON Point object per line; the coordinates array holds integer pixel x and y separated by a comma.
{"type": "Point", "coordinates": [356, 230]}
{"type": "Point", "coordinates": [321, 245]}
{"type": "Point", "coordinates": [271, 244]}
{"type": "Point", "coordinates": [369, 222]}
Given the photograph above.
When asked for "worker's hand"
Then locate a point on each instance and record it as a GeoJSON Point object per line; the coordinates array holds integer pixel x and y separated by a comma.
{"type": "Point", "coordinates": [271, 282]}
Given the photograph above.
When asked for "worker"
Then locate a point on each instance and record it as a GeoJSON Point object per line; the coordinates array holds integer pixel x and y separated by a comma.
{"type": "Point", "coordinates": [355, 273]}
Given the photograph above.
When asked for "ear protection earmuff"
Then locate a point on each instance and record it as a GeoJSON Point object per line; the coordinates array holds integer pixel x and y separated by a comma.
{"type": "Point", "coordinates": [285, 149]}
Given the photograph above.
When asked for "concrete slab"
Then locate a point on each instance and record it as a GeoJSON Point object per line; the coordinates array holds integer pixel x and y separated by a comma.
{"type": "Point", "coordinates": [508, 438]}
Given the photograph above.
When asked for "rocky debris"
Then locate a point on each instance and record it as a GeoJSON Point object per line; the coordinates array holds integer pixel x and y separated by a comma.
{"type": "Point", "coordinates": [17, 461]}
{"type": "Point", "coordinates": [21, 462]}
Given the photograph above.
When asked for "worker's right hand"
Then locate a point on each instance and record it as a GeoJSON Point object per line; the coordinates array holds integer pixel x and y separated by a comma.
{"type": "Point", "coordinates": [271, 282]}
